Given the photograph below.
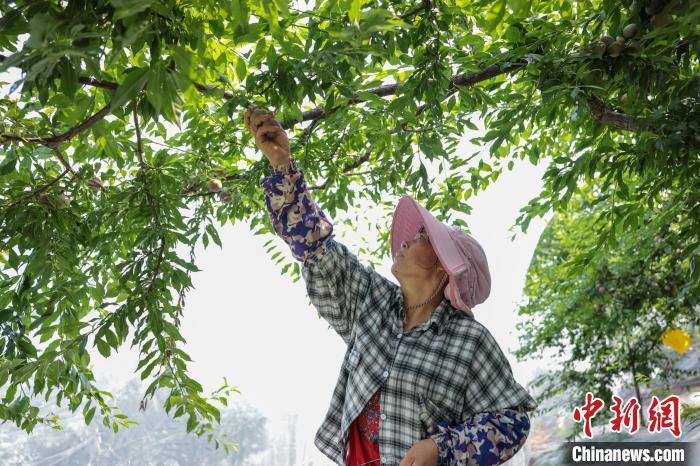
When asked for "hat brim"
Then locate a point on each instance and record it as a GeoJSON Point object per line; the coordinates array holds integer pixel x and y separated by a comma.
{"type": "Point", "coordinates": [409, 216]}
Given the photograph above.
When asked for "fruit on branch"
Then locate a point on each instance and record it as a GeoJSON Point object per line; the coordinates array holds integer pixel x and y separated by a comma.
{"type": "Point", "coordinates": [615, 49]}
{"type": "Point", "coordinates": [630, 31]}
{"type": "Point", "coordinates": [95, 183]}
{"type": "Point", "coordinates": [662, 19]}
{"type": "Point", "coordinates": [655, 6]}
{"type": "Point", "coordinates": [62, 201]}
{"type": "Point", "coordinates": [214, 185]}
{"type": "Point", "coordinates": [634, 49]}
{"type": "Point", "coordinates": [607, 40]}
{"type": "Point", "coordinates": [599, 49]}
{"type": "Point", "coordinates": [225, 197]}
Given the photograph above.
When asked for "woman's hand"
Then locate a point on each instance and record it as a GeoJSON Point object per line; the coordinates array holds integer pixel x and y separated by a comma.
{"type": "Point", "coordinates": [423, 453]}
{"type": "Point", "coordinates": [269, 135]}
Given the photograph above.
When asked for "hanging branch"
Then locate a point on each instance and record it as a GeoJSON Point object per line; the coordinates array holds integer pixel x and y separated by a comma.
{"type": "Point", "coordinates": [149, 196]}
{"type": "Point", "coordinates": [52, 141]}
{"type": "Point", "coordinates": [596, 106]}
{"type": "Point", "coordinates": [619, 120]}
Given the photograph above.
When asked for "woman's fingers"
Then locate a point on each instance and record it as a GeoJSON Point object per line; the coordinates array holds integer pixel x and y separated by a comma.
{"type": "Point", "coordinates": [267, 132]}
{"type": "Point", "coordinates": [267, 120]}
{"type": "Point", "coordinates": [267, 125]}
{"type": "Point", "coordinates": [257, 117]}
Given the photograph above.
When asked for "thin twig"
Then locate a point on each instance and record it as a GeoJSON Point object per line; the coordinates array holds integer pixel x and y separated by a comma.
{"type": "Point", "coordinates": [360, 160]}
{"type": "Point", "coordinates": [424, 6]}
{"type": "Point", "coordinates": [40, 189]}
{"type": "Point", "coordinates": [149, 196]}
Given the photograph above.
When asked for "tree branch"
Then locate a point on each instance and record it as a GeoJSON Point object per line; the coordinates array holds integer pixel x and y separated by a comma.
{"type": "Point", "coordinates": [53, 142]}
{"type": "Point", "coordinates": [56, 150]}
{"type": "Point", "coordinates": [49, 142]}
{"type": "Point", "coordinates": [348, 169]}
{"type": "Point", "coordinates": [609, 117]}
{"type": "Point", "coordinates": [597, 108]}
{"type": "Point", "coordinates": [424, 6]}
{"type": "Point", "coordinates": [40, 189]}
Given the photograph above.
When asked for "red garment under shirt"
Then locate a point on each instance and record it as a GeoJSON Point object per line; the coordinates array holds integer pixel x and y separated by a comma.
{"type": "Point", "coordinates": [363, 436]}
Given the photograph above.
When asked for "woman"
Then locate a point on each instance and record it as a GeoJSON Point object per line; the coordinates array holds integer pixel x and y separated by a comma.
{"type": "Point", "coordinates": [422, 383]}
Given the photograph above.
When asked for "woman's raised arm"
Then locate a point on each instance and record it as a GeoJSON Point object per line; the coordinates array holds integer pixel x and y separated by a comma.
{"type": "Point", "coordinates": [336, 282]}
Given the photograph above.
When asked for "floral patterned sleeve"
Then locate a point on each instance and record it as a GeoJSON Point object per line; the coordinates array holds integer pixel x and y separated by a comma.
{"type": "Point", "coordinates": [294, 215]}
{"type": "Point", "coordinates": [485, 439]}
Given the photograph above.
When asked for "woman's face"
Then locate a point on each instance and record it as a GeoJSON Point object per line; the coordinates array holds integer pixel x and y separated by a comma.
{"type": "Point", "coordinates": [415, 255]}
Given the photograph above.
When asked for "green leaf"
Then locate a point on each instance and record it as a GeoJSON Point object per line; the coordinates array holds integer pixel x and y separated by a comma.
{"type": "Point", "coordinates": [241, 68]}
{"type": "Point", "coordinates": [185, 264]}
{"type": "Point", "coordinates": [494, 15]}
{"type": "Point", "coordinates": [214, 234]}
{"type": "Point", "coordinates": [126, 8]}
{"type": "Point", "coordinates": [355, 12]}
{"type": "Point", "coordinates": [172, 330]}
{"type": "Point", "coordinates": [147, 371]}
{"type": "Point", "coordinates": [111, 338]}
{"type": "Point", "coordinates": [156, 92]}
{"type": "Point", "coordinates": [26, 346]}
{"type": "Point", "coordinates": [103, 348]}
{"type": "Point", "coordinates": [69, 77]}
{"type": "Point", "coordinates": [283, 7]}
{"type": "Point", "coordinates": [191, 422]}
{"type": "Point", "coordinates": [8, 164]}
{"type": "Point", "coordinates": [5, 315]}
{"type": "Point", "coordinates": [130, 87]}
{"type": "Point", "coordinates": [240, 13]}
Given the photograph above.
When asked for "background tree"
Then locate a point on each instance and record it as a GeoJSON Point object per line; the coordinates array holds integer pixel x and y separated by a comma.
{"type": "Point", "coordinates": [155, 439]}
{"type": "Point", "coordinates": [607, 323]}
{"type": "Point", "coordinates": [97, 192]}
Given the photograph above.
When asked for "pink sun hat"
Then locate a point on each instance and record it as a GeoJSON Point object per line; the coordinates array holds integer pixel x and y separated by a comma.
{"type": "Point", "coordinates": [459, 253]}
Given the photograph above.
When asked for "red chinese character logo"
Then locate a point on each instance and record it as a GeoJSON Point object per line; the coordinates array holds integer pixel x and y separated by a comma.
{"type": "Point", "coordinates": [665, 415]}
{"type": "Point", "coordinates": [626, 416]}
{"type": "Point", "coordinates": [588, 412]}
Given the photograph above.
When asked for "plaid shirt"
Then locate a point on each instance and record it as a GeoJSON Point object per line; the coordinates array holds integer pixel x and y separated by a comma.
{"type": "Point", "coordinates": [446, 378]}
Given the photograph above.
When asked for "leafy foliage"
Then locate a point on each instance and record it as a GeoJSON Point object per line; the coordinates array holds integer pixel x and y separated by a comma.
{"type": "Point", "coordinates": [154, 439]}
{"type": "Point", "coordinates": [99, 189]}
{"type": "Point", "coordinates": [606, 323]}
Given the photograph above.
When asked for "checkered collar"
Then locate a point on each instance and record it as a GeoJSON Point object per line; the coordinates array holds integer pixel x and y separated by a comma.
{"type": "Point", "coordinates": [438, 319]}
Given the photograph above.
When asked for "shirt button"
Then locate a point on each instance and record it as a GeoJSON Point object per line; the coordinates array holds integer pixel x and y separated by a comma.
{"type": "Point", "coordinates": [398, 335]}
{"type": "Point", "coordinates": [383, 416]}
{"type": "Point", "coordinates": [385, 374]}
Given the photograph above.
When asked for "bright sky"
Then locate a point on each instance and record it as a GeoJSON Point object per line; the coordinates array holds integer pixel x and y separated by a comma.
{"type": "Point", "coordinates": [246, 322]}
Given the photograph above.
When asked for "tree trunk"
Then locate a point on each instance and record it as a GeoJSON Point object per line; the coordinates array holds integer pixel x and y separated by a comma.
{"type": "Point", "coordinates": [639, 397]}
